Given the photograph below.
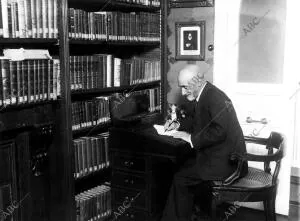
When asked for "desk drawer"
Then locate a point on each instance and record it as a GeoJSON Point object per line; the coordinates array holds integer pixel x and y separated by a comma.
{"type": "Point", "coordinates": [128, 180]}
{"type": "Point", "coordinates": [127, 162]}
{"type": "Point", "coordinates": [135, 199]}
{"type": "Point", "coordinates": [129, 214]}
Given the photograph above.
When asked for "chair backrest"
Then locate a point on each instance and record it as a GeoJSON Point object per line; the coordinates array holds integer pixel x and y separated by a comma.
{"type": "Point", "coordinates": [275, 140]}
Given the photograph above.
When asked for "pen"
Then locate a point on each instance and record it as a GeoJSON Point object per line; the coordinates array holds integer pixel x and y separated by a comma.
{"type": "Point", "coordinates": [169, 125]}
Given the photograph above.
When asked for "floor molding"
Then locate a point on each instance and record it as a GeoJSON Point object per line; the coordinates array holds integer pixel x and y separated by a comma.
{"type": "Point", "coordinates": [295, 180]}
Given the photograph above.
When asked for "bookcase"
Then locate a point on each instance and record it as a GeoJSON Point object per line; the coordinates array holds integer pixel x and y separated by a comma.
{"type": "Point", "coordinates": [29, 100]}
{"type": "Point", "coordinates": [113, 46]}
{"type": "Point", "coordinates": [59, 106]}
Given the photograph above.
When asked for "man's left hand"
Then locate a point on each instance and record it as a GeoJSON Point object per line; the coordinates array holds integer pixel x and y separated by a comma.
{"type": "Point", "coordinates": [182, 135]}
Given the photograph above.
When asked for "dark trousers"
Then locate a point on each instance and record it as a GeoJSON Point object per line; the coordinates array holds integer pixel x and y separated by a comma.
{"type": "Point", "coordinates": [187, 184]}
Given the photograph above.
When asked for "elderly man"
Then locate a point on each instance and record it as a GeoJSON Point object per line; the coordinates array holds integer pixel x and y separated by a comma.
{"type": "Point", "coordinates": [213, 132]}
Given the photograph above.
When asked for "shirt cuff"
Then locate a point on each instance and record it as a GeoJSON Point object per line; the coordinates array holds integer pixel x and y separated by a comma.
{"type": "Point", "coordinates": [190, 140]}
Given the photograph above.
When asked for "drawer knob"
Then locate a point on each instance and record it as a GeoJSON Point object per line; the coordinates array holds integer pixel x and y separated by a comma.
{"type": "Point", "coordinates": [129, 181]}
{"type": "Point", "coordinates": [131, 216]}
{"type": "Point", "coordinates": [128, 163]}
{"type": "Point", "coordinates": [127, 198]}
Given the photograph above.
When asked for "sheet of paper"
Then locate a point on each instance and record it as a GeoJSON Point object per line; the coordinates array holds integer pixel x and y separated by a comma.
{"type": "Point", "coordinates": [161, 131]}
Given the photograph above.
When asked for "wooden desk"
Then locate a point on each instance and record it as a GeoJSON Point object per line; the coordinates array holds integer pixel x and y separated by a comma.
{"type": "Point", "coordinates": [142, 171]}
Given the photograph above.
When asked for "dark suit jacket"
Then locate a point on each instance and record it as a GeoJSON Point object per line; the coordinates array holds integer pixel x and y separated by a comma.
{"type": "Point", "coordinates": [215, 134]}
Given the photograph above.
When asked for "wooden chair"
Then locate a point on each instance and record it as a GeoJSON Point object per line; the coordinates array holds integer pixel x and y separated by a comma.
{"type": "Point", "coordinates": [257, 185]}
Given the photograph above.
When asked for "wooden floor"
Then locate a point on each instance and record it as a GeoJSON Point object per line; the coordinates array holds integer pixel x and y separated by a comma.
{"type": "Point", "coordinates": [245, 214]}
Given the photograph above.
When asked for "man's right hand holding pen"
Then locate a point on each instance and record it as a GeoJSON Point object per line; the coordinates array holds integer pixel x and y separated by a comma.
{"type": "Point", "coordinates": [171, 125]}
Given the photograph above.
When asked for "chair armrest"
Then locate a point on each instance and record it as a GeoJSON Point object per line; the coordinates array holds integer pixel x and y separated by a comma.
{"type": "Point", "coordinates": [265, 158]}
{"type": "Point", "coordinates": [235, 176]}
{"type": "Point", "coordinates": [256, 140]}
{"type": "Point", "coordinates": [237, 173]}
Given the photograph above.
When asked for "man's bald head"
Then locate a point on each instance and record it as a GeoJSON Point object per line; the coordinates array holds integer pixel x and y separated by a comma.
{"type": "Point", "coordinates": [187, 73]}
{"type": "Point", "coordinates": [185, 77]}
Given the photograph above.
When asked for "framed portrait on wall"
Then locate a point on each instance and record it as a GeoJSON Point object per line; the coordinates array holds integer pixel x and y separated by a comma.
{"type": "Point", "coordinates": [191, 3]}
{"type": "Point", "coordinates": [190, 40]}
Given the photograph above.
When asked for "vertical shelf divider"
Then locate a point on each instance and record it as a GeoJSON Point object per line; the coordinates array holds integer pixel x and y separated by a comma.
{"type": "Point", "coordinates": [63, 203]}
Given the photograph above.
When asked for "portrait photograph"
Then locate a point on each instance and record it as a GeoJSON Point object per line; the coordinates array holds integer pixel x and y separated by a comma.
{"type": "Point", "coordinates": [190, 40]}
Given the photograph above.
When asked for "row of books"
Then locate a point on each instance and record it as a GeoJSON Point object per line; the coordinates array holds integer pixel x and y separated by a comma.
{"type": "Point", "coordinates": [28, 81]}
{"type": "Point", "coordinates": [94, 204]}
{"type": "Point", "coordinates": [91, 154]}
{"type": "Point", "coordinates": [114, 26]}
{"type": "Point", "coordinates": [103, 71]}
{"type": "Point", "coordinates": [154, 98]}
{"type": "Point", "coordinates": [90, 113]}
{"type": "Point", "coordinates": [152, 104]}
{"type": "Point", "coordinates": [151, 3]}
{"type": "Point", "coordinates": [28, 19]}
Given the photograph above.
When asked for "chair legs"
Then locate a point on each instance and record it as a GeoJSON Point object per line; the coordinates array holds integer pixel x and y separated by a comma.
{"type": "Point", "coordinates": [213, 210]}
{"type": "Point", "coordinates": [269, 207]}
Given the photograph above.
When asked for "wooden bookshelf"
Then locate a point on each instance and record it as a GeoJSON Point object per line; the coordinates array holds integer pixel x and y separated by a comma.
{"type": "Point", "coordinates": [91, 130]}
{"type": "Point", "coordinates": [114, 43]}
{"type": "Point", "coordinates": [56, 188]}
{"type": "Point", "coordinates": [88, 182]}
{"type": "Point", "coordinates": [27, 106]}
{"type": "Point", "coordinates": [112, 5]}
{"type": "Point", "coordinates": [126, 49]}
{"type": "Point", "coordinates": [25, 41]}
{"type": "Point", "coordinates": [105, 91]}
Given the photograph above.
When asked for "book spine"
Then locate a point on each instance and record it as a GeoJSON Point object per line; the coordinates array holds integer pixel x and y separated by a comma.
{"type": "Point", "coordinates": [50, 21]}
{"type": "Point", "coordinates": [5, 81]}
{"type": "Point", "coordinates": [75, 163]}
{"type": "Point", "coordinates": [1, 86]}
{"type": "Point", "coordinates": [14, 12]}
{"type": "Point", "coordinates": [13, 81]}
{"type": "Point", "coordinates": [77, 23]}
{"type": "Point", "coordinates": [29, 70]}
{"type": "Point", "coordinates": [81, 158]}
{"type": "Point", "coordinates": [44, 19]}
{"type": "Point", "coordinates": [45, 79]}
{"type": "Point", "coordinates": [28, 22]}
{"type": "Point", "coordinates": [4, 12]}
{"type": "Point", "coordinates": [19, 83]}
{"type": "Point", "coordinates": [55, 19]}
{"type": "Point", "coordinates": [38, 17]}
{"type": "Point", "coordinates": [22, 82]}
{"type": "Point", "coordinates": [9, 19]}
{"type": "Point", "coordinates": [1, 20]}
{"type": "Point", "coordinates": [21, 18]}
{"type": "Point", "coordinates": [71, 22]}
{"type": "Point", "coordinates": [58, 79]}
{"type": "Point", "coordinates": [33, 18]}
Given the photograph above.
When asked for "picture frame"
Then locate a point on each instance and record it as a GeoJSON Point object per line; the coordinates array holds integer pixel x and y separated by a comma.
{"type": "Point", "coordinates": [190, 40]}
{"type": "Point", "coordinates": [190, 3]}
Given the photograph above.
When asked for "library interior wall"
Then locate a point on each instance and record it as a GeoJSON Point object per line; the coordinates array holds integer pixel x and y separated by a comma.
{"type": "Point", "coordinates": [183, 15]}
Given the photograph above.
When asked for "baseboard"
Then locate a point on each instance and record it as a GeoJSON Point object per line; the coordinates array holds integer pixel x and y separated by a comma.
{"type": "Point", "coordinates": [295, 190]}
{"type": "Point", "coordinates": [295, 180]}
{"type": "Point", "coordinates": [294, 203]}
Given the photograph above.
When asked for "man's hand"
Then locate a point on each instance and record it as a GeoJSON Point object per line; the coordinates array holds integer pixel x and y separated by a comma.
{"type": "Point", "coordinates": [182, 135]}
{"type": "Point", "coordinates": [171, 125]}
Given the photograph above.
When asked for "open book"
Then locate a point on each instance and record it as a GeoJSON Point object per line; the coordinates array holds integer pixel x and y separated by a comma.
{"type": "Point", "coordinates": [161, 130]}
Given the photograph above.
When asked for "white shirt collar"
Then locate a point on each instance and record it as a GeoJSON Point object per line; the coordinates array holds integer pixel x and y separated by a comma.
{"type": "Point", "coordinates": [200, 92]}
